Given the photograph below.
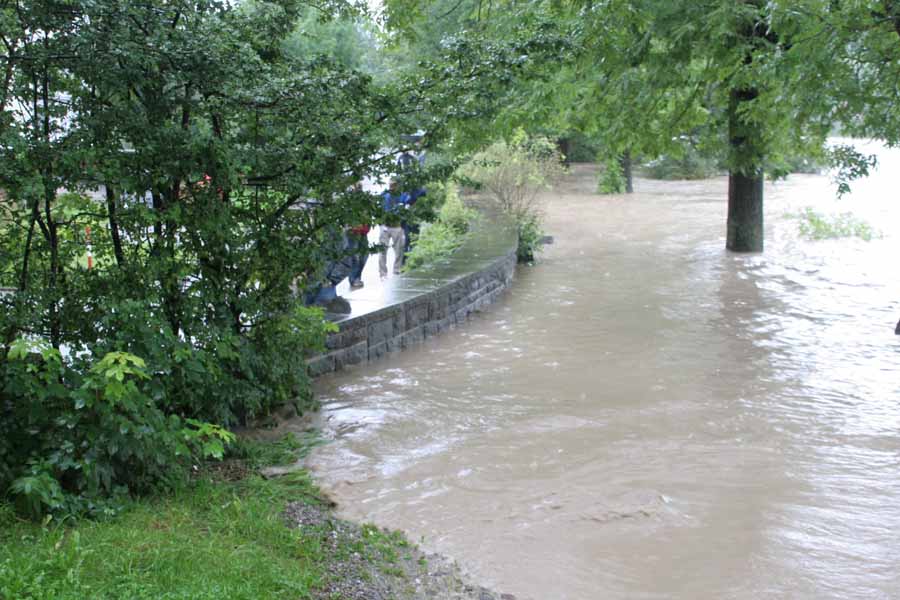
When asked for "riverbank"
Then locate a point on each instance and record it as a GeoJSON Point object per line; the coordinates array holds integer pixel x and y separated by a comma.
{"type": "Point", "coordinates": [236, 533]}
{"type": "Point", "coordinates": [231, 533]}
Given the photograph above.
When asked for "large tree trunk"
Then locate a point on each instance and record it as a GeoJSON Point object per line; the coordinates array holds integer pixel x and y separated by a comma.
{"type": "Point", "coordinates": [897, 329]}
{"type": "Point", "coordinates": [745, 213]}
{"type": "Point", "coordinates": [745, 180]}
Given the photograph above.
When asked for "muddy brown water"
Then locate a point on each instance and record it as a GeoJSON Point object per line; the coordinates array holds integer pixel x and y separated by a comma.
{"type": "Point", "coordinates": [647, 416]}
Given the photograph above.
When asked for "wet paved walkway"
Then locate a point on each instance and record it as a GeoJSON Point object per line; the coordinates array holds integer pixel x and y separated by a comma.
{"type": "Point", "coordinates": [489, 239]}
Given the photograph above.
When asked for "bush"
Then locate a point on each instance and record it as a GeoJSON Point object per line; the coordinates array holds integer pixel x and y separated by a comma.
{"type": "Point", "coordinates": [82, 435]}
{"type": "Point", "coordinates": [514, 173]}
{"type": "Point", "coordinates": [612, 178]}
{"type": "Point", "coordinates": [692, 164]}
{"type": "Point", "coordinates": [440, 239]}
{"type": "Point", "coordinates": [80, 441]}
{"type": "Point", "coordinates": [817, 226]}
{"type": "Point", "coordinates": [530, 236]}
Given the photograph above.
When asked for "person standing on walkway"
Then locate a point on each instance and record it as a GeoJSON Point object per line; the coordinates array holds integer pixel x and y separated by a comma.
{"type": "Point", "coordinates": [392, 234]}
{"type": "Point", "coordinates": [359, 246]}
{"type": "Point", "coordinates": [408, 162]}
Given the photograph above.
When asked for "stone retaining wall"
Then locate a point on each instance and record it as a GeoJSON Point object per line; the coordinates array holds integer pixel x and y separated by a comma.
{"type": "Point", "coordinates": [426, 301]}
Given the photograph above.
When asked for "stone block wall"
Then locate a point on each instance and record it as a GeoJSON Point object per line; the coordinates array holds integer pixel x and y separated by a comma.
{"type": "Point", "coordinates": [407, 323]}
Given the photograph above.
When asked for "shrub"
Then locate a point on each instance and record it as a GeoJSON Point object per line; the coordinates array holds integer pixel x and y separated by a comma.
{"type": "Point", "coordinates": [441, 238]}
{"type": "Point", "coordinates": [530, 236]}
{"type": "Point", "coordinates": [81, 435]}
{"type": "Point", "coordinates": [817, 226]}
{"type": "Point", "coordinates": [514, 173]}
{"type": "Point", "coordinates": [691, 164]}
{"type": "Point", "coordinates": [612, 178]}
{"type": "Point", "coordinates": [79, 442]}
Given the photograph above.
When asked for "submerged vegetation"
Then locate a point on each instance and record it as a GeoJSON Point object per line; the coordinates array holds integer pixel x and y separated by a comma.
{"type": "Point", "coordinates": [513, 174]}
{"type": "Point", "coordinates": [818, 226]}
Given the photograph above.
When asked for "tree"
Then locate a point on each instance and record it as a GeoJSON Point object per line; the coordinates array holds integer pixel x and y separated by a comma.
{"type": "Point", "coordinates": [651, 73]}
{"type": "Point", "coordinates": [212, 163]}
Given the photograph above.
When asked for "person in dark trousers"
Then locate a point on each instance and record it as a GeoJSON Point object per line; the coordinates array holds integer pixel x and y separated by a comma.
{"type": "Point", "coordinates": [405, 163]}
{"type": "Point", "coordinates": [323, 292]}
{"type": "Point", "coordinates": [358, 239]}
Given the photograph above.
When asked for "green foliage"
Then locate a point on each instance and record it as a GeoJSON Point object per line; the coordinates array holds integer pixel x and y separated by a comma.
{"type": "Point", "coordinates": [808, 165]}
{"type": "Point", "coordinates": [434, 242]}
{"type": "Point", "coordinates": [349, 40]}
{"type": "Point", "coordinates": [530, 235]}
{"type": "Point", "coordinates": [581, 148]}
{"type": "Point", "coordinates": [689, 165]}
{"type": "Point", "coordinates": [818, 226]}
{"type": "Point", "coordinates": [454, 213]}
{"type": "Point", "coordinates": [75, 442]}
{"type": "Point", "coordinates": [849, 165]}
{"type": "Point", "coordinates": [441, 238]}
{"type": "Point", "coordinates": [612, 177]}
{"type": "Point", "coordinates": [514, 173]}
{"type": "Point", "coordinates": [173, 548]}
{"type": "Point", "coordinates": [209, 153]}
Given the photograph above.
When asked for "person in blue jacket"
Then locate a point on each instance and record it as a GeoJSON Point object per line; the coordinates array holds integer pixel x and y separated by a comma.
{"type": "Point", "coordinates": [394, 204]}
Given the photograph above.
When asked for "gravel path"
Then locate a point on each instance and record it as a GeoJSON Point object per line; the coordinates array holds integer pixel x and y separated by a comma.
{"type": "Point", "coordinates": [383, 567]}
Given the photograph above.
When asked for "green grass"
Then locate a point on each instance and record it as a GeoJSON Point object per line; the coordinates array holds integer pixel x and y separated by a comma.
{"type": "Point", "coordinates": [215, 540]}
{"type": "Point", "coordinates": [818, 226]}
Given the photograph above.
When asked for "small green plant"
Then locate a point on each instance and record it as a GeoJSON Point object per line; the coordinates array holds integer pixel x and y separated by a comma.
{"type": "Point", "coordinates": [818, 226]}
{"type": "Point", "coordinates": [612, 178]}
{"type": "Point", "coordinates": [530, 236]}
{"type": "Point", "coordinates": [441, 238]}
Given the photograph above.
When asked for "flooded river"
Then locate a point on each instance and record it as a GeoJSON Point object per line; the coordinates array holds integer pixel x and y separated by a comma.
{"type": "Point", "coordinates": [647, 416]}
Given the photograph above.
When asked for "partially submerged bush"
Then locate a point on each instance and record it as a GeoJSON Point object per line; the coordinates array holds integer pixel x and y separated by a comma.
{"type": "Point", "coordinates": [818, 226]}
{"type": "Point", "coordinates": [612, 177]}
{"type": "Point", "coordinates": [692, 164]}
{"type": "Point", "coordinates": [514, 173]}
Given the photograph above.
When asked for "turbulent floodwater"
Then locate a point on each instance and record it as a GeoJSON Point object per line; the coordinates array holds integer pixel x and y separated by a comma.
{"type": "Point", "coordinates": [647, 416]}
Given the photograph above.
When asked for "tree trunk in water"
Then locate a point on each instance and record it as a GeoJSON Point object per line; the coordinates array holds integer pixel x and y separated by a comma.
{"type": "Point", "coordinates": [565, 148]}
{"type": "Point", "coordinates": [625, 162]}
{"type": "Point", "coordinates": [745, 212]}
{"type": "Point", "coordinates": [745, 178]}
{"type": "Point", "coordinates": [748, 148]}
